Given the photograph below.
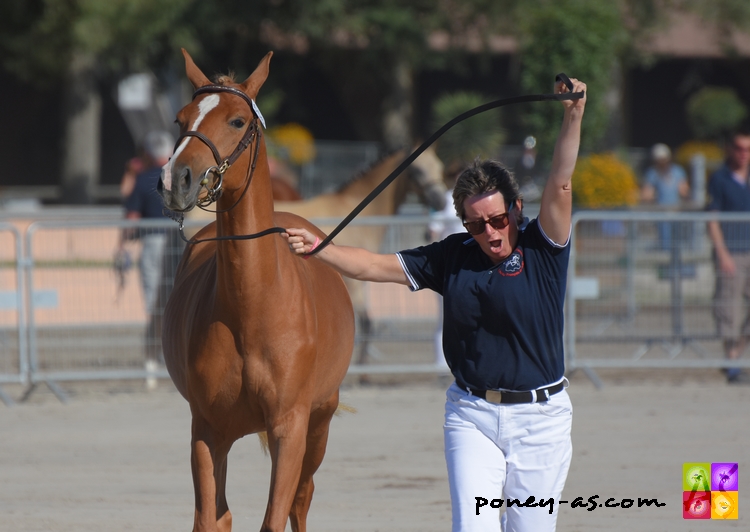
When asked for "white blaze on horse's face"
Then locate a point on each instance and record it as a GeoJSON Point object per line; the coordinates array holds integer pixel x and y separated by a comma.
{"type": "Point", "coordinates": [204, 107]}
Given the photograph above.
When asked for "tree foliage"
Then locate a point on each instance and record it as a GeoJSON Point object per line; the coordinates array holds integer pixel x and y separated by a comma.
{"type": "Point", "coordinates": [582, 38]}
{"type": "Point", "coordinates": [40, 37]}
{"type": "Point", "coordinates": [36, 37]}
{"type": "Point", "coordinates": [585, 38]}
{"type": "Point", "coordinates": [132, 34]}
{"type": "Point", "coordinates": [714, 112]}
{"type": "Point", "coordinates": [727, 15]}
{"type": "Point", "coordinates": [478, 136]}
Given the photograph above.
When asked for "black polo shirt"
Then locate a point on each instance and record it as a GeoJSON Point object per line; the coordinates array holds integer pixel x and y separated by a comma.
{"type": "Point", "coordinates": [502, 323]}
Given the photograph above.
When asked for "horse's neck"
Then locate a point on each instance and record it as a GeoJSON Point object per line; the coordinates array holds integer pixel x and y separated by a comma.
{"type": "Point", "coordinates": [241, 264]}
{"type": "Point", "coordinates": [386, 202]}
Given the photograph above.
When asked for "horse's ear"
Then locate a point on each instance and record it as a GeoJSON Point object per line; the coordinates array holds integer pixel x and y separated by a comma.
{"type": "Point", "coordinates": [252, 84]}
{"type": "Point", "coordinates": [194, 74]}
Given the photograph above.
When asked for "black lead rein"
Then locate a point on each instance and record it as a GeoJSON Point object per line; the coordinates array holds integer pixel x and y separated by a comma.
{"type": "Point", "coordinates": [416, 153]}
{"type": "Point", "coordinates": [426, 144]}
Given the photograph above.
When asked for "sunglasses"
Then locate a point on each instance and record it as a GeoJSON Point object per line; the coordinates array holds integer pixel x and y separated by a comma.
{"type": "Point", "coordinates": [498, 222]}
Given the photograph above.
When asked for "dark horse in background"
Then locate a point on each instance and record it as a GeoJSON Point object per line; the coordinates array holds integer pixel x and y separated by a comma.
{"type": "Point", "coordinates": [255, 338]}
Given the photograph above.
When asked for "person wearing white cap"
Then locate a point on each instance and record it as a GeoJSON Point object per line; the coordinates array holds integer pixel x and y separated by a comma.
{"type": "Point", "coordinates": [664, 183]}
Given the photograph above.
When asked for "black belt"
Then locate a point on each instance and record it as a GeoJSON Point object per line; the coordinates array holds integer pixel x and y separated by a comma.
{"type": "Point", "coordinates": [533, 396]}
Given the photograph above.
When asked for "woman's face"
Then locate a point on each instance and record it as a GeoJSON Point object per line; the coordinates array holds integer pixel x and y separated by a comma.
{"type": "Point", "coordinates": [497, 244]}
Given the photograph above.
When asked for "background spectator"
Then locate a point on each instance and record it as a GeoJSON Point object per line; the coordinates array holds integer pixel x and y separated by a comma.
{"type": "Point", "coordinates": [664, 183]}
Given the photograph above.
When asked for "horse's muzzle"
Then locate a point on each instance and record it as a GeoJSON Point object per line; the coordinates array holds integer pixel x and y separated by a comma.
{"type": "Point", "coordinates": [179, 196]}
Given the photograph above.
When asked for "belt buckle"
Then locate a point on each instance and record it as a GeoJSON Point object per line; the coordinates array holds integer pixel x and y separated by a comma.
{"type": "Point", "coordinates": [494, 397]}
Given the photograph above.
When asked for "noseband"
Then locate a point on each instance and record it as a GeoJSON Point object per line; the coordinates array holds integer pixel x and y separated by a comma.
{"type": "Point", "coordinates": [222, 165]}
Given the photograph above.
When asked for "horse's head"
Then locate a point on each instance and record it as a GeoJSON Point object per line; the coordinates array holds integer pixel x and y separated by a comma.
{"type": "Point", "coordinates": [427, 173]}
{"type": "Point", "coordinates": [215, 130]}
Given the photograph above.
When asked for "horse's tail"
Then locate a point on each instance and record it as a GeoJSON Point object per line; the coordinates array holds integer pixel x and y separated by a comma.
{"type": "Point", "coordinates": [263, 439]}
{"type": "Point", "coordinates": [341, 408]}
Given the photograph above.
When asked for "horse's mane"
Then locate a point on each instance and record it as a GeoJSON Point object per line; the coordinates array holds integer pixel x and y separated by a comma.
{"type": "Point", "coordinates": [360, 174]}
{"type": "Point", "coordinates": [225, 79]}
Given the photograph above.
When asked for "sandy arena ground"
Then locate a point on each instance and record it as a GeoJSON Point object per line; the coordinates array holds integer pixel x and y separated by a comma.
{"type": "Point", "coordinates": [115, 458]}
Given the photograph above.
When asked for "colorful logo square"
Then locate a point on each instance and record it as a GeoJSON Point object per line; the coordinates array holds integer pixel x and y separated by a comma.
{"type": "Point", "coordinates": [696, 505]}
{"type": "Point", "coordinates": [710, 490]}
{"type": "Point", "coordinates": [695, 476]}
{"type": "Point", "coordinates": [724, 476]}
{"type": "Point", "coordinates": [724, 505]}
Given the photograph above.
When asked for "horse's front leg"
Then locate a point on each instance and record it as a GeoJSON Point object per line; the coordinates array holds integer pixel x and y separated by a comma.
{"type": "Point", "coordinates": [286, 440]}
{"type": "Point", "coordinates": [317, 439]}
{"type": "Point", "coordinates": [224, 521]}
{"type": "Point", "coordinates": [208, 459]}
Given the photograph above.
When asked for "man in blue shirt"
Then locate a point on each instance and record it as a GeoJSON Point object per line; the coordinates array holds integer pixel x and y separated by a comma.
{"type": "Point", "coordinates": [729, 191]}
{"type": "Point", "coordinates": [145, 203]}
{"type": "Point", "coordinates": [507, 415]}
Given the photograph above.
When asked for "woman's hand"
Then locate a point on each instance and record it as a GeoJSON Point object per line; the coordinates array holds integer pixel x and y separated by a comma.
{"type": "Point", "coordinates": [573, 108]}
{"type": "Point", "coordinates": [301, 241]}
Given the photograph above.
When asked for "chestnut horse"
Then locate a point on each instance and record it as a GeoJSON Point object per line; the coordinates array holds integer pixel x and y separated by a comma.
{"type": "Point", "coordinates": [425, 175]}
{"type": "Point", "coordinates": [255, 338]}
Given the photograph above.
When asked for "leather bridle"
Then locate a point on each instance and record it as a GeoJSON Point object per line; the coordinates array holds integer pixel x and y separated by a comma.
{"type": "Point", "coordinates": [253, 131]}
{"type": "Point", "coordinates": [222, 165]}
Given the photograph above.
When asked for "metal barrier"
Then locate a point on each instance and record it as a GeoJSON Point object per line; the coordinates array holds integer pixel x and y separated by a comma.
{"type": "Point", "coordinates": [641, 291]}
{"type": "Point", "coordinates": [91, 322]}
{"type": "Point", "coordinates": [86, 321]}
{"type": "Point", "coordinates": [13, 353]}
{"type": "Point", "coordinates": [640, 295]}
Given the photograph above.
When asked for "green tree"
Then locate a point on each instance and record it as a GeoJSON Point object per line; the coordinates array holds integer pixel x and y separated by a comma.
{"type": "Point", "coordinates": [387, 41]}
{"type": "Point", "coordinates": [728, 16]}
{"type": "Point", "coordinates": [714, 112]}
{"type": "Point", "coordinates": [582, 38]}
{"type": "Point", "coordinates": [38, 38]}
{"type": "Point", "coordinates": [478, 136]}
{"type": "Point", "coordinates": [72, 43]}
{"type": "Point", "coordinates": [371, 47]}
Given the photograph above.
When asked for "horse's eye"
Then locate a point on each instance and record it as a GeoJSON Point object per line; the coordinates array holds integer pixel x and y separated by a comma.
{"type": "Point", "coordinates": [237, 122]}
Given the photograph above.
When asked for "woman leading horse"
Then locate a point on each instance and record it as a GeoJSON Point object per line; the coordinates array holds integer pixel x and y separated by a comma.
{"type": "Point", "coordinates": [507, 415]}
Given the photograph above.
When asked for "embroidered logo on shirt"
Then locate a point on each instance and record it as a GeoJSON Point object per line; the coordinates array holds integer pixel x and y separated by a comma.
{"type": "Point", "coordinates": [513, 265]}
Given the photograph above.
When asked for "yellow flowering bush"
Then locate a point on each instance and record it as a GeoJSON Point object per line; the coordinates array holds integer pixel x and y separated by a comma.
{"type": "Point", "coordinates": [710, 150]}
{"type": "Point", "coordinates": [603, 180]}
{"type": "Point", "coordinates": [294, 141]}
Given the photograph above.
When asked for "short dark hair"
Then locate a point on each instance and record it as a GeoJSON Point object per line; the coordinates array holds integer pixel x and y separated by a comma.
{"type": "Point", "coordinates": [481, 177]}
{"type": "Point", "coordinates": [741, 131]}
